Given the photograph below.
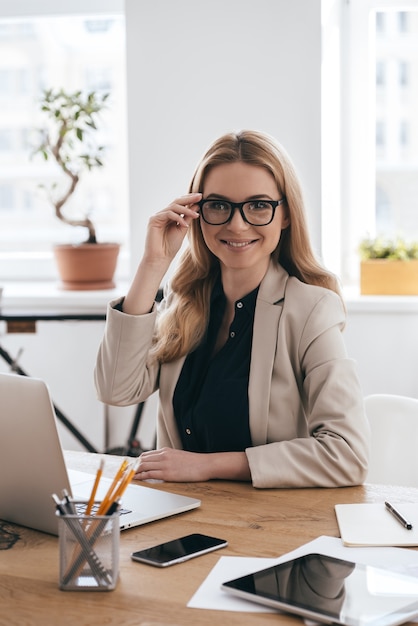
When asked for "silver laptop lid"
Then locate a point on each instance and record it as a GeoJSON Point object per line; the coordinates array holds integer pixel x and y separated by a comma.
{"type": "Point", "coordinates": [29, 450]}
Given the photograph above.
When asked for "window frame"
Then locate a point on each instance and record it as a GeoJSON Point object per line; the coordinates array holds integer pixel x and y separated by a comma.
{"type": "Point", "coordinates": [32, 265]}
{"type": "Point", "coordinates": [358, 132]}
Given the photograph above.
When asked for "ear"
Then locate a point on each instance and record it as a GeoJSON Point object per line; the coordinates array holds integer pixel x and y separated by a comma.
{"type": "Point", "coordinates": [285, 218]}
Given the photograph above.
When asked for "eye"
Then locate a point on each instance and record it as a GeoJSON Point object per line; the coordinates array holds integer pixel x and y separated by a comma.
{"type": "Point", "coordinates": [217, 205]}
{"type": "Point", "coordinates": [259, 205]}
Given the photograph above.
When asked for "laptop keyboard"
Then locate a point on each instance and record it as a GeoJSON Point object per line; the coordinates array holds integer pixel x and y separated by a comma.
{"type": "Point", "coordinates": [82, 506]}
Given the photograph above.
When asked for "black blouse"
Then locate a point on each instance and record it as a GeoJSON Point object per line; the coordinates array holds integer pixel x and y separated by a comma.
{"type": "Point", "coordinates": [211, 396]}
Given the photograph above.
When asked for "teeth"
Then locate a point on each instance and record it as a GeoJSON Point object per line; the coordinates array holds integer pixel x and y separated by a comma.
{"type": "Point", "coordinates": [238, 244]}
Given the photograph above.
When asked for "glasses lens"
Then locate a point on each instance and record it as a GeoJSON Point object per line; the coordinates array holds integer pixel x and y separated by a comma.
{"type": "Point", "coordinates": [216, 211]}
{"type": "Point", "coordinates": [258, 212]}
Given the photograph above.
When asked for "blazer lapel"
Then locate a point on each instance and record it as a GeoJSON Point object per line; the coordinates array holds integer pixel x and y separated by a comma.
{"type": "Point", "coordinates": [268, 310]}
{"type": "Point", "coordinates": [169, 376]}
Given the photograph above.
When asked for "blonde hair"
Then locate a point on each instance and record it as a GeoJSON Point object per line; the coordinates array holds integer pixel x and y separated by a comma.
{"type": "Point", "coordinates": [182, 325]}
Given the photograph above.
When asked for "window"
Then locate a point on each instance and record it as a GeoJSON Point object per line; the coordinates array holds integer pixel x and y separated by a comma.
{"type": "Point", "coordinates": [380, 23]}
{"type": "Point", "coordinates": [380, 114]}
{"type": "Point", "coordinates": [403, 21]}
{"type": "Point", "coordinates": [380, 134]}
{"type": "Point", "coordinates": [404, 133]}
{"type": "Point", "coordinates": [83, 51]}
{"type": "Point", "coordinates": [380, 73]}
{"type": "Point", "coordinates": [403, 73]}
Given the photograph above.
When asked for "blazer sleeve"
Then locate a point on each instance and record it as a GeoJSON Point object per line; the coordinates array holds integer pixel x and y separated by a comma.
{"type": "Point", "coordinates": [318, 434]}
{"type": "Point", "coordinates": [123, 374]}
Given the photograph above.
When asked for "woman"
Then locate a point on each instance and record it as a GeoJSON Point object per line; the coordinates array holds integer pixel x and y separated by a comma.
{"type": "Point", "coordinates": [246, 348]}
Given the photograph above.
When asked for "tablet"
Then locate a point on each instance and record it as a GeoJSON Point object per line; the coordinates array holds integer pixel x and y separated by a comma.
{"type": "Point", "coordinates": [332, 591]}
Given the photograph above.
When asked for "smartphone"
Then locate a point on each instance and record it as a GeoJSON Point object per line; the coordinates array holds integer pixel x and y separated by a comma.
{"type": "Point", "coordinates": [178, 550]}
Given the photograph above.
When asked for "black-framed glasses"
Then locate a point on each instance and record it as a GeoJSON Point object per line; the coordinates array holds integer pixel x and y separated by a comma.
{"type": "Point", "coordinates": [255, 212]}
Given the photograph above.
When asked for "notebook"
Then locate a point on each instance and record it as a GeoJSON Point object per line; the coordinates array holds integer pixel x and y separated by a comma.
{"type": "Point", "coordinates": [32, 465]}
{"type": "Point", "coordinates": [373, 525]}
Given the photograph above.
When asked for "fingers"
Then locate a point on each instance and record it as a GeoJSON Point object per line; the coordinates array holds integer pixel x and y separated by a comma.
{"type": "Point", "coordinates": [189, 199]}
{"type": "Point", "coordinates": [149, 471]}
{"type": "Point", "coordinates": [182, 210]}
{"type": "Point", "coordinates": [162, 464]}
{"type": "Point", "coordinates": [151, 459]}
{"type": "Point", "coordinates": [167, 228]}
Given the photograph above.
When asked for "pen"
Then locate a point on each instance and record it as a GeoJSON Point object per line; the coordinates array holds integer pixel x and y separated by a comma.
{"type": "Point", "coordinates": [69, 505]}
{"type": "Point", "coordinates": [58, 503]}
{"type": "Point", "coordinates": [398, 516]}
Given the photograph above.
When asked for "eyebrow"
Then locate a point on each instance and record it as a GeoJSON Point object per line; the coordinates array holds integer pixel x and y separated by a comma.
{"type": "Point", "coordinates": [260, 196]}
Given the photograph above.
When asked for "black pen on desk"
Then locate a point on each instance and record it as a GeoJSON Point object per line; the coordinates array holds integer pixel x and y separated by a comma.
{"type": "Point", "coordinates": [401, 519]}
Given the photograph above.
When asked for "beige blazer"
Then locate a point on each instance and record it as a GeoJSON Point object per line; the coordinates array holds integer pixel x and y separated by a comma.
{"type": "Point", "coordinates": [307, 419]}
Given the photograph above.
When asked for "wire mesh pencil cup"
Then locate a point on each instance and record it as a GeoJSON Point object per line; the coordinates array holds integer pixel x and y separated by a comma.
{"type": "Point", "coordinates": [88, 552]}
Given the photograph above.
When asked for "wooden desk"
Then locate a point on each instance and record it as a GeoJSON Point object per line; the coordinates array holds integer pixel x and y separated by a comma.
{"type": "Point", "coordinates": [258, 523]}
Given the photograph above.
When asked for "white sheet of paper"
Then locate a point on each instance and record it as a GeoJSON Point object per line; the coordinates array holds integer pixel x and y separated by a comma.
{"type": "Point", "coordinates": [210, 596]}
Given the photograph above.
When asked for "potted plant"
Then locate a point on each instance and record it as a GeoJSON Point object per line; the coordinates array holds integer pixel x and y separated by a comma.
{"type": "Point", "coordinates": [68, 139]}
{"type": "Point", "coordinates": [388, 267]}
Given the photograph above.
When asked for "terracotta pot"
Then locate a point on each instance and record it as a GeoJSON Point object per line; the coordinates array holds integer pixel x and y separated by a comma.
{"type": "Point", "coordinates": [87, 265]}
{"type": "Point", "coordinates": [389, 277]}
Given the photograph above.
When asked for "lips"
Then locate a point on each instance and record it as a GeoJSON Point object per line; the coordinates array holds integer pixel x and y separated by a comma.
{"type": "Point", "coordinates": [238, 244]}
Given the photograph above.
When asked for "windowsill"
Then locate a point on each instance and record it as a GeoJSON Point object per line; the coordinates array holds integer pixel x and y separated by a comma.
{"type": "Point", "coordinates": [357, 303]}
{"type": "Point", "coordinates": [47, 295]}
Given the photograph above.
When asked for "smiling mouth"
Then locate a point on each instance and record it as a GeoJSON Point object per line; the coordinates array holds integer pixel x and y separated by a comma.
{"type": "Point", "coordinates": [238, 244]}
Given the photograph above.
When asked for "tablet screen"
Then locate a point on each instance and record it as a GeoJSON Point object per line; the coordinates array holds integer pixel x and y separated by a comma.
{"type": "Point", "coordinates": [332, 590]}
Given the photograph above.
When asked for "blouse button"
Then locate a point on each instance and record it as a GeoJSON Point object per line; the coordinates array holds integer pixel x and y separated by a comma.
{"type": "Point", "coordinates": [239, 305]}
{"type": "Point", "coordinates": [232, 334]}
{"type": "Point", "coordinates": [188, 431]}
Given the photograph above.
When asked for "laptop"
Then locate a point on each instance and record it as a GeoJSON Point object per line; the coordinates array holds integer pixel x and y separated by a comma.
{"type": "Point", "coordinates": [32, 466]}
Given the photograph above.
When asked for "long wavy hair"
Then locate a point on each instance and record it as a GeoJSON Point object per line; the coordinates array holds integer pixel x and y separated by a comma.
{"type": "Point", "coordinates": [183, 321]}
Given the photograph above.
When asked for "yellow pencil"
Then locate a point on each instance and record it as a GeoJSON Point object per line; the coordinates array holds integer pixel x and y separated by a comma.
{"type": "Point", "coordinates": [95, 486]}
{"type": "Point", "coordinates": [124, 483]}
{"type": "Point", "coordinates": [108, 499]}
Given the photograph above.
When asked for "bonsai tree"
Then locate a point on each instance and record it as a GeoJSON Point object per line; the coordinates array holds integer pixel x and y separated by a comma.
{"type": "Point", "coordinates": [68, 139]}
{"type": "Point", "coordinates": [380, 248]}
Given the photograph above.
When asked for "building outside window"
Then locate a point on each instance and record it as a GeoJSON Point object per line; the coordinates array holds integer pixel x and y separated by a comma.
{"type": "Point", "coordinates": [379, 149]}
{"type": "Point", "coordinates": [397, 165]}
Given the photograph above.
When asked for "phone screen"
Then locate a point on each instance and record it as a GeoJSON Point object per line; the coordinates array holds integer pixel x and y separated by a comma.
{"type": "Point", "coordinates": [178, 550]}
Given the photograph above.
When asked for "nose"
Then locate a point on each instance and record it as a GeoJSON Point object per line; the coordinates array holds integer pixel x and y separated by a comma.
{"type": "Point", "coordinates": [237, 222]}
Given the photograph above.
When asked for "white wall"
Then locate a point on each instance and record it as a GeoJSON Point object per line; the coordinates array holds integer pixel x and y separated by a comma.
{"type": "Point", "coordinates": [383, 340]}
{"type": "Point", "coordinates": [197, 69]}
